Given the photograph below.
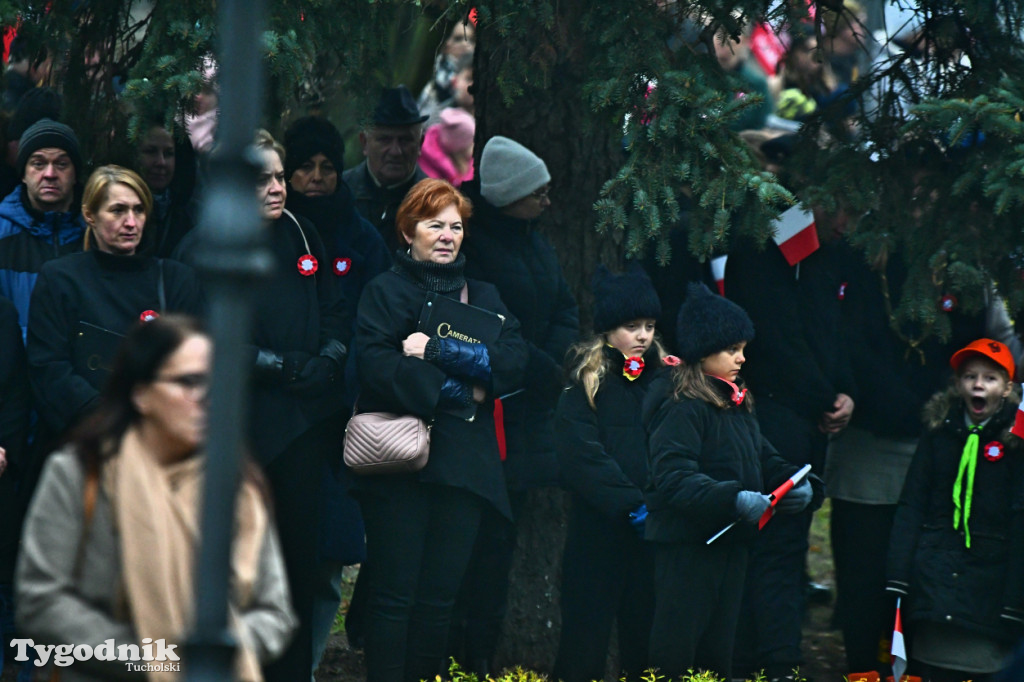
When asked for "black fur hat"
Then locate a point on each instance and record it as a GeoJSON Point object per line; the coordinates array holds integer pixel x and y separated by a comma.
{"type": "Point", "coordinates": [709, 323]}
{"type": "Point", "coordinates": [309, 136]}
{"type": "Point", "coordinates": [621, 298]}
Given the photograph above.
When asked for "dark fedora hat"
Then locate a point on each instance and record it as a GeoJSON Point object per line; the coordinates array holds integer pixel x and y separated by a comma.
{"type": "Point", "coordinates": [396, 107]}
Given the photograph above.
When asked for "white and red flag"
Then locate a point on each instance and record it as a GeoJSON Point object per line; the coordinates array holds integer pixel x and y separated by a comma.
{"type": "Point", "coordinates": [796, 234]}
{"type": "Point", "coordinates": [718, 272]}
{"type": "Point", "coordinates": [1018, 423]}
{"type": "Point", "coordinates": [780, 492]}
{"type": "Point", "coordinates": [777, 494]}
{"type": "Point", "coordinates": [899, 649]}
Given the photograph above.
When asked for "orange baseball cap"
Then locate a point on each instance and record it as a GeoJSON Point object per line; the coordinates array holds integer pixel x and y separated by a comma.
{"type": "Point", "coordinates": [993, 350]}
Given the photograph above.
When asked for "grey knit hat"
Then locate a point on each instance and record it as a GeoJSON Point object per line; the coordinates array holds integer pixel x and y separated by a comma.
{"type": "Point", "coordinates": [44, 134]}
{"type": "Point", "coordinates": [509, 171]}
{"type": "Point", "coordinates": [709, 323]}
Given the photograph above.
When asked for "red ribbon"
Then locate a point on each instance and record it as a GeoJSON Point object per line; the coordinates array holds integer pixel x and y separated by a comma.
{"type": "Point", "coordinates": [499, 428]}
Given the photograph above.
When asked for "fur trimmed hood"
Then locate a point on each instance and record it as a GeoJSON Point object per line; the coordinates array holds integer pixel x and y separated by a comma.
{"type": "Point", "coordinates": [940, 407]}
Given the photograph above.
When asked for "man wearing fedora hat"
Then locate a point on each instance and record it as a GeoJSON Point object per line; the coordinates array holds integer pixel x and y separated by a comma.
{"type": "Point", "coordinates": [391, 145]}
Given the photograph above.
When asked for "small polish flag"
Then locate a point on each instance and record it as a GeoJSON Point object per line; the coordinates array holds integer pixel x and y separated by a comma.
{"type": "Point", "coordinates": [718, 272]}
{"type": "Point", "coordinates": [796, 234]}
{"type": "Point", "coordinates": [899, 650]}
{"type": "Point", "coordinates": [780, 492]}
{"type": "Point", "coordinates": [1018, 423]}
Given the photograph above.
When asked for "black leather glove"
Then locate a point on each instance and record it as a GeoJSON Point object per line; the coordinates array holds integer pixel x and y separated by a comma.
{"type": "Point", "coordinates": [796, 500]}
{"type": "Point", "coordinates": [267, 366]}
{"type": "Point", "coordinates": [316, 377]}
{"type": "Point", "coordinates": [293, 362]}
{"type": "Point", "coordinates": [750, 505]}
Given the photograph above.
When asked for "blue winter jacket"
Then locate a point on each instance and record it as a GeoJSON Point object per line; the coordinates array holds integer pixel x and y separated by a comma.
{"type": "Point", "coordinates": [28, 239]}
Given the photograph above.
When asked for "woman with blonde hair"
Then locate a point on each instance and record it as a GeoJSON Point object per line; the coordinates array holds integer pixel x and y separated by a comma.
{"type": "Point", "coordinates": [84, 303]}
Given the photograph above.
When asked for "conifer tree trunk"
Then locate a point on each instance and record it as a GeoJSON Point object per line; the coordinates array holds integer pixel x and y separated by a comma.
{"type": "Point", "coordinates": [551, 118]}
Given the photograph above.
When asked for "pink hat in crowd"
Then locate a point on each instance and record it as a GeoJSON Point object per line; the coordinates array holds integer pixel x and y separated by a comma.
{"type": "Point", "coordinates": [457, 128]}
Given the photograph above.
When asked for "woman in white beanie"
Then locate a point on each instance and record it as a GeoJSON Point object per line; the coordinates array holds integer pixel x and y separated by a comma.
{"type": "Point", "coordinates": [506, 250]}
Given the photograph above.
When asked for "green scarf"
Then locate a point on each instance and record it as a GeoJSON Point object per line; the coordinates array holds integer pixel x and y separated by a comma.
{"type": "Point", "coordinates": [968, 463]}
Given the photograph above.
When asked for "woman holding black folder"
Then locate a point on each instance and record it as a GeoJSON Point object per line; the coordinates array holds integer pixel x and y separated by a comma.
{"type": "Point", "coordinates": [84, 303]}
{"type": "Point", "coordinates": [420, 527]}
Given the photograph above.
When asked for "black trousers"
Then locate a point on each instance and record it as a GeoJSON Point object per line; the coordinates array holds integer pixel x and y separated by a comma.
{"type": "Point", "coordinates": [607, 574]}
{"type": "Point", "coordinates": [864, 611]}
{"type": "Point", "coordinates": [294, 478]}
{"type": "Point", "coordinates": [419, 538]}
{"type": "Point", "coordinates": [483, 598]}
{"type": "Point", "coordinates": [697, 592]}
{"type": "Point", "coordinates": [771, 617]}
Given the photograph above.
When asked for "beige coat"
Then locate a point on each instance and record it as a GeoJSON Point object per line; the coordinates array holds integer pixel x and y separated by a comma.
{"type": "Point", "coordinates": [59, 604]}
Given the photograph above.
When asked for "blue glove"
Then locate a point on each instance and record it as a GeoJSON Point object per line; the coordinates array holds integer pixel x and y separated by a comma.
{"type": "Point", "coordinates": [796, 500]}
{"type": "Point", "coordinates": [638, 518]}
{"type": "Point", "coordinates": [750, 505]}
{"type": "Point", "coordinates": [455, 393]}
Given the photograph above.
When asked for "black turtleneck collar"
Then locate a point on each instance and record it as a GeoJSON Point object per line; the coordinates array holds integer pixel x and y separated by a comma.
{"type": "Point", "coordinates": [112, 261]}
{"type": "Point", "coordinates": [444, 278]}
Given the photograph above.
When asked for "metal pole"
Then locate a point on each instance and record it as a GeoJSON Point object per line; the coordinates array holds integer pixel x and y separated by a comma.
{"type": "Point", "coordinates": [232, 256]}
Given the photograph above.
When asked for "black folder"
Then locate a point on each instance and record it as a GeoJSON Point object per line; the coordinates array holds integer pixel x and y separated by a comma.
{"type": "Point", "coordinates": [449, 318]}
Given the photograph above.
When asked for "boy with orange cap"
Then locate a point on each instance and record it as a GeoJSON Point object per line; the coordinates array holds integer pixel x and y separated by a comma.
{"type": "Point", "coordinates": [957, 547]}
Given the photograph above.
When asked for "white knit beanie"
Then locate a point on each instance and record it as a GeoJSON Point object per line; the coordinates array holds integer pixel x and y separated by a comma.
{"type": "Point", "coordinates": [509, 171]}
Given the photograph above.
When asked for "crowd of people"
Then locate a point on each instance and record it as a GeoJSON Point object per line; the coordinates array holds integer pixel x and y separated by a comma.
{"type": "Point", "coordinates": [674, 537]}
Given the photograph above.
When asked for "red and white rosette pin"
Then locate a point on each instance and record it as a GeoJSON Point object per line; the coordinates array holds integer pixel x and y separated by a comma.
{"type": "Point", "coordinates": [342, 266]}
{"type": "Point", "coordinates": [633, 367]}
{"type": "Point", "coordinates": [948, 303]}
{"type": "Point", "coordinates": [993, 451]}
{"type": "Point", "coordinates": [148, 315]}
{"type": "Point", "coordinates": [307, 265]}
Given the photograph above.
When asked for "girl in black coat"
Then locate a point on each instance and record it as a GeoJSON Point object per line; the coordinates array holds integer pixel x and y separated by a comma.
{"type": "Point", "coordinates": [420, 527]}
{"type": "Point", "coordinates": [602, 452]}
{"type": "Point", "coordinates": [709, 466]}
{"type": "Point", "coordinates": [957, 546]}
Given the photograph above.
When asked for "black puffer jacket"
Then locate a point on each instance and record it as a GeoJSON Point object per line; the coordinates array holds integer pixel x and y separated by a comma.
{"type": "Point", "coordinates": [700, 457]}
{"type": "Point", "coordinates": [510, 254]}
{"type": "Point", "coordinates": [947, 581]}
{"type": "Point", "coordinates": [603, 452]}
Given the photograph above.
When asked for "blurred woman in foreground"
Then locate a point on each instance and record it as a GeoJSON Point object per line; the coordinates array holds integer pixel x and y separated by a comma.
{"type": "Point", "coordinates": [111, 535]}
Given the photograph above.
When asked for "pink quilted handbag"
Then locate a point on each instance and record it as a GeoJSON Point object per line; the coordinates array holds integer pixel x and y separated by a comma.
{"type": "Point", "coordinates": [386, 443]}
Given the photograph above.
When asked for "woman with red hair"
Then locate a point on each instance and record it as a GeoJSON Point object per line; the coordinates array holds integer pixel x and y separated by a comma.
{"type": "Point", "coordinates": [420, 527]}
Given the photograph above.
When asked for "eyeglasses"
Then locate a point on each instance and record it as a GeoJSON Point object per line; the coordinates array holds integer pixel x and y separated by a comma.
{"type": "Point", "coordinates": [196, 386]}
{"type": "Point", "coordinates": [541, 194]}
